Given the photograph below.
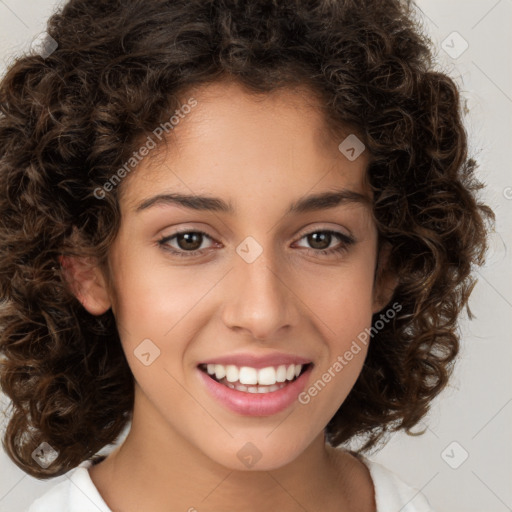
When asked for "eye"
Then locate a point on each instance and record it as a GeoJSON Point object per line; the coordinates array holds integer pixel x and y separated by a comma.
{"type": "Point", "coordinates": [321, 240]}
{"type": "Point", "coordinates": [188, 242]}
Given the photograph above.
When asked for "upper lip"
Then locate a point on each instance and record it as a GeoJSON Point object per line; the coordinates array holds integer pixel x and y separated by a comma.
{"type": "Point", "coordinates": [255, 361]}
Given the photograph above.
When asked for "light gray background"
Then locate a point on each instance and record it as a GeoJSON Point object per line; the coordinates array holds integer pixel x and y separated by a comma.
{"type": "Point", "coordinates": [475, 411]}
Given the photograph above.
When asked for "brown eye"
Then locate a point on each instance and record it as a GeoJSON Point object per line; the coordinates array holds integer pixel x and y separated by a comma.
{"type": "Point", "coordinates": [318, 239]}
{"type": "Point", "coordinates": [190, 241]}
{"type": "Point", "coordinates": [185, 243]}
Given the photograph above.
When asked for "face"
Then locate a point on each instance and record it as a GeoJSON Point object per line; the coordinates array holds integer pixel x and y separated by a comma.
{"type": "Point", "coordinates": [254, 284]}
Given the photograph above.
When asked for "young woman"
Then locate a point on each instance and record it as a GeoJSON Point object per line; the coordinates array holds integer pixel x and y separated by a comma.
{"type": "Point", "coordinates": [247, 229]}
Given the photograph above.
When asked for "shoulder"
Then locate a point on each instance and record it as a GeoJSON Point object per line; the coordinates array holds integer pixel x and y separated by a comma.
{"type": "Point", "coordinates": [392, 493]}
{"type": "Point", "coordinates": [76, 493]}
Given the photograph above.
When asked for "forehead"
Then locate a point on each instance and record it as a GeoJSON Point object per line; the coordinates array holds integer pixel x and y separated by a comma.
{"type": "Point", "coordinates": [235, 143]}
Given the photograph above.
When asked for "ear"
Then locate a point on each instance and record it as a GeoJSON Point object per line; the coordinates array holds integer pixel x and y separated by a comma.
{"type": "Point", "coordinates": [87, 283]}
{"type": "Point", "coordinates": [385, 281]}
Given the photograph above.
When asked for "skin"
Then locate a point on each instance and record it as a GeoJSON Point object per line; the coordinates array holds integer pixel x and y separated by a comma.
{"type": "Point", "coordinates": [261, 154]}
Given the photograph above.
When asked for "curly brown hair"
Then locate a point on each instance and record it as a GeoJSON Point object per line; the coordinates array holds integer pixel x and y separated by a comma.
{"type": "Point", "coordinates": [69, 120]}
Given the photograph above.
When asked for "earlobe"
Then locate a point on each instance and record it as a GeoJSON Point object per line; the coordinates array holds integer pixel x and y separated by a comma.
{"type": "Point", "coordinates": [87, 283]}
{"type": "Point", "coordinates": [385, 282]}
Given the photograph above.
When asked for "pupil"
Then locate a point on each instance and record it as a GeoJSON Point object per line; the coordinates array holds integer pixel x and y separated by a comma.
{"type": "Point", "coordinates": [190, 243]}
{"type": "Point", "coordinates": [313, 239]}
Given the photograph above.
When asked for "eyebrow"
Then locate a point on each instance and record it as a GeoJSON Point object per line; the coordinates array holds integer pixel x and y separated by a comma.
{"type": "Point", "coordinates": [310, 203]}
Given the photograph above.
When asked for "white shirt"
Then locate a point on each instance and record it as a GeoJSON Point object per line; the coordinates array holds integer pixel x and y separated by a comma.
{"type": "Point", "coordinates": [79, 494]}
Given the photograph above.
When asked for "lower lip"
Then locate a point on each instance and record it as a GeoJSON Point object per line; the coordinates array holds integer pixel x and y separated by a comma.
{"type": "Point", "coordinates": [256, 404]}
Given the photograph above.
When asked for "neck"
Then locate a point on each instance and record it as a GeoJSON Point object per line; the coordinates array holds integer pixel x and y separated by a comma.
{"type": "Point", "coordinates": [156, 462]}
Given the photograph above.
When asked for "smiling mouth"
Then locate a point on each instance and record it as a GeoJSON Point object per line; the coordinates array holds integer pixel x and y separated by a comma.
{"type": "Point", "coordinates": [252, 380]}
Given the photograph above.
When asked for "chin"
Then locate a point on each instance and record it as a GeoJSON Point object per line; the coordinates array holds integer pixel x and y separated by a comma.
{"type": "Point", "coordinates": [257, 453]}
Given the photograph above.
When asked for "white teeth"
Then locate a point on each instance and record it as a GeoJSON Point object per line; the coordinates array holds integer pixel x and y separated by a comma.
{"type": "Point", "coordinates": [248, 375]}
{"type": "Point", "coordinates": [232, 373]}
{"type": "Point", "coordinates": [252, 377]}
{"type": "Point", "coordinates": [255, 389]}
{"type": "Point", "coordinates": [281, 373]}
{"type": "Point", "coordinates": [267, 376]}
{"type": "Point", "coordinates": [220, 371]}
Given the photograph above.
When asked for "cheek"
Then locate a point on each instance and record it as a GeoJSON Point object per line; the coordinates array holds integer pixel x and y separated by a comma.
{"type": "Point", "coordinates": [343, 313]}
{"type": "Point", "coordinates": [154, 297]}
{"type": "Point", "coordinates": [342, 305]}
{"type": "Point", "coordinates": [342, 301]}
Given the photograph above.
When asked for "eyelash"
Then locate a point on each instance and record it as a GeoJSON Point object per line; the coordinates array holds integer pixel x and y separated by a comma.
{"type": "Point", "coordinates": [346, 242]}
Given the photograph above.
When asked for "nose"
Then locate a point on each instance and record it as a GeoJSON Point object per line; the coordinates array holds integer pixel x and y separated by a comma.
{"type": "Point", "coordinates": [260, 302]}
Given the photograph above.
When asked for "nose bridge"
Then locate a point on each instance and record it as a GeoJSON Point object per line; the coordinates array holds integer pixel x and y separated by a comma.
{"type": "Point", "coordinates": [259, 300]}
